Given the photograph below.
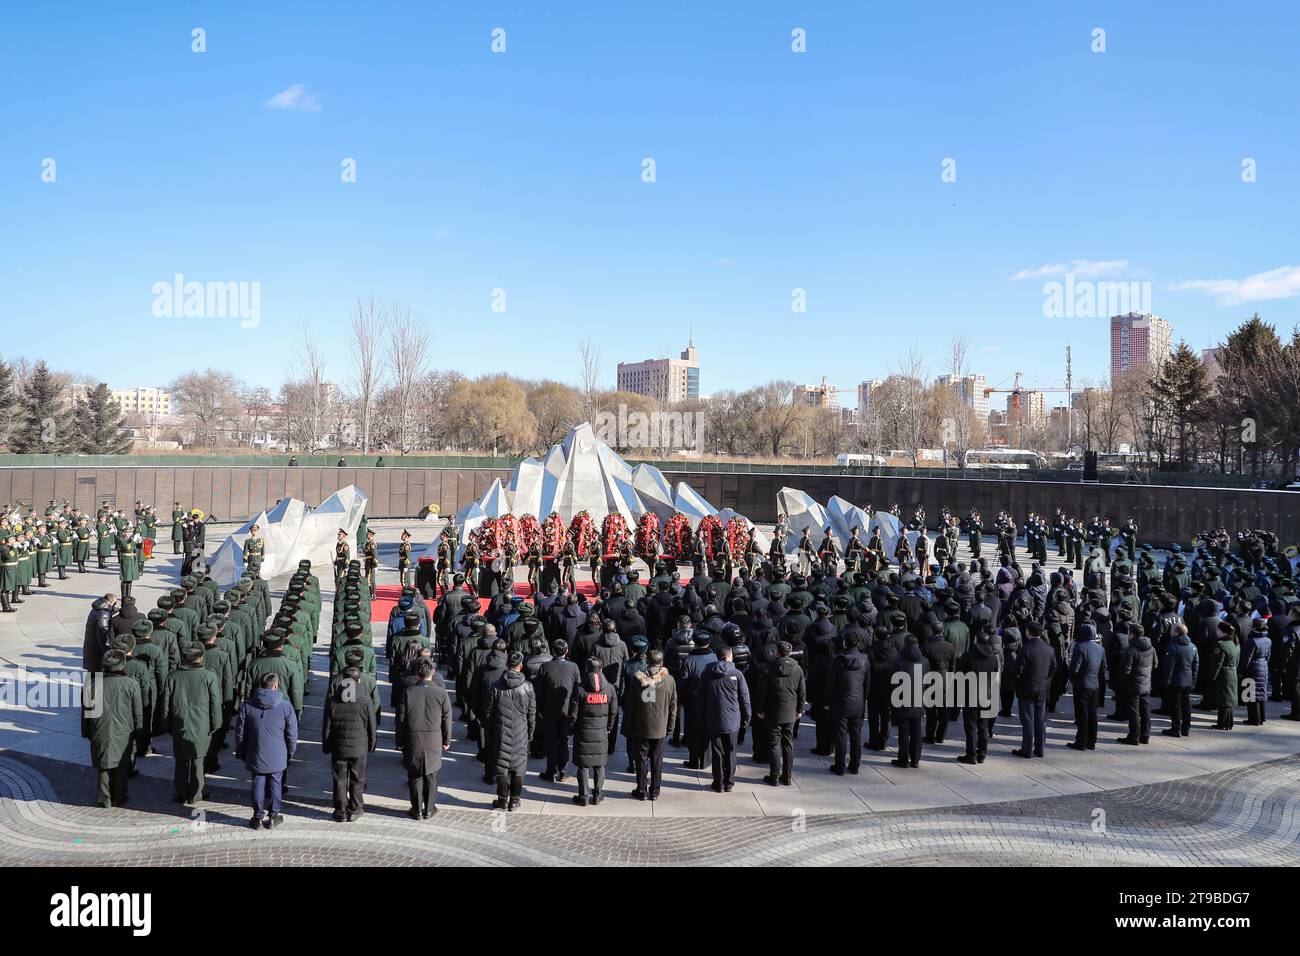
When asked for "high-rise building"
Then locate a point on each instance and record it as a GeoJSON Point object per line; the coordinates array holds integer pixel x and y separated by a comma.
{"type": "Point", "coordinates": [864, 394]}
{"type": "Point", "coordinates": [1025, 407]}
{"type": "Point", "coordinates": [816, 396]}
{"type": "Point", "coordinates": [969, 390]}
{"type": "Point", "coordinates": [1138, 340]}
{"type": "Point", "coordinates": [665, 380]}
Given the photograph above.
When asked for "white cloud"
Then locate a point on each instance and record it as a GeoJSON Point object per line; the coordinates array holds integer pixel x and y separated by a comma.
{"type": "Point", "coordinates": [295, 97]}
{"type": "Point", "coordinates": [1281, 283]}
{"type": "Point", "coordinates": [1080, 268]}
{"type": "Point", "coordinates": [724, 262]}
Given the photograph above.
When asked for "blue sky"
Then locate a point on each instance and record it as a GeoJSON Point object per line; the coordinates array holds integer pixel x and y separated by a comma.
{"type": "Point", "coordinates": [522, 171]}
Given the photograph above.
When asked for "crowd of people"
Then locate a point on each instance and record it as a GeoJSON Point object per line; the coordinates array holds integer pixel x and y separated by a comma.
{"type": "Point", "coordinates": [740, 652]}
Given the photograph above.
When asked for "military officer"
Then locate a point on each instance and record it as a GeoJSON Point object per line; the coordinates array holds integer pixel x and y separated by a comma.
{"type": "Point", "coordinates": [370, 555]}
{"type": "Point", "coordinates": [404, 559]}
{"type": "Point", "coordinates": [63, 548]}
{"type": "Point", "coordinates": [104, 540]}
{"type": "Point", "coordinates": [9, 575]}
{"type": "Point", "coordinates": [254, 550]}
{"type": "Point", "coordinates": [342, 554]}
{"type": "Point", "coordinates": [128, 561]}
{"type": "Point", "coordinates": [112, 715]}
{"type": "Point", "coordinates": [191, 711]}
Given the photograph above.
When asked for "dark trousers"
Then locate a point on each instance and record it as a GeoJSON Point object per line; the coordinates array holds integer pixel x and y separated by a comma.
{"type": "Point", "coordinates": [826, 728]}
{"type": "Point", "coordinates": [1033, 723]}
{"type": "Point", "coordinates": [1225, 717]}
{"type": "Point", "coordinates": [1085, 717]}
{"type": "Point", "coordinates": [649, 763]}
{"type": "Point", "coordinates": [597, 780]}
{"type": "Point", "coordinates": [762, 735]}
{"type": "Point", "coordinates": [977, 731]}
{"type": "Point", "coordinates": [424, 791]}
{"type": "Point", "coordinates": [349, 785]}
{"type": "Point", "coordinates": [1255, 712]}
{"type": "Point", "coordinates": [697, 741]}
{"type": "Point", "coordinates": [509, 786]}
{"type": "Point", "coordinates": [187, 774]}
{"type": "Point", "coordinates": [848, 740]}
{"type": "Point", "coordinates": [1179, 702]}
{"type": "Point", "coordinates": [877, 723]}
{"type": "Point", "coordinates": [112, 783]}
{"type": "Point", "coordinates": [723, 749]}
{"type": "Point", "coordinates": [557, 744]}
{"type": "Point", "coordinates": [1139, 717]}
{"type": "Point", "coordinates": [613, 735]}
{"type": "Point", "coordinates": [936, 723]}
{"type": "Point", "coordinates": [909, 740]}
{"type": "Point", "coordinates": [268, 790]}
{"type": "Point", "coordinates": [780, 750]}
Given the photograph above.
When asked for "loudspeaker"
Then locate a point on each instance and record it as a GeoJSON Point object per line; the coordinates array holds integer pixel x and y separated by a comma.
{"type": "Point", "coordinates": [1089, 466]}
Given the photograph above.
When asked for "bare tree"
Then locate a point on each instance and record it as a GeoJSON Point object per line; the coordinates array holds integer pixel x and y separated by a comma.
{"type": "Point", "coordinates": [367, 329]}
{"type": "Point", "coordinates": [589, 384]}
{"type": "Point", "coordinates": [408, 354]}
{"type": "Point", "coordinates": [207, 401]}
{"type": "Point", "coordinates": [912, 406]}
{"type": "Point", "coordinates": [307, 393]}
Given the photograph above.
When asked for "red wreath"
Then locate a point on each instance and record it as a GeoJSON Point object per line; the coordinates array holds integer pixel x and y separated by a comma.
{"type": "Point", "coordinates": [529, 533]}
{"type": "Point", "coordinates": [711, 532]}
{"type": "Point", "coordinates": [613, 534]}
{"type": "Point", "coordinates": [485, 538]}
{"type": "Point", "coordinates": [582, 532]}
{"type": "Point", "coordinates": [553, 535]}
{"type": "Point", "coordinates": [508, 530]}
{"type": "Point", "coordinates": [677, 537]}
{"type": "Point", "coordinates": [737, 534]}
{"type": "Point", "coordinates": [647, 534]}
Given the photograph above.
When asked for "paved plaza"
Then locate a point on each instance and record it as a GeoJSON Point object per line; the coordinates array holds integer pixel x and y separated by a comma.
{"type": "Point", "coordinates": [1215, 797]}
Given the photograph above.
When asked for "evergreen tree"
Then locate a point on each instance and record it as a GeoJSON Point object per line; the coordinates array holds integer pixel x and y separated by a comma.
{"type": "Point", "coordinates": [99, 424]}
{"type": "Point", "coordinates": [44, 419]}
{"type": "Point", "coordinates": [7, 408]}
{"type": "Point", "coordinates": [1179, 393]}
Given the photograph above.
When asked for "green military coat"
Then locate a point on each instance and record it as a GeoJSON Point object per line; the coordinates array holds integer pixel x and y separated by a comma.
{"type": "Point", "coordinates": [116, 699]}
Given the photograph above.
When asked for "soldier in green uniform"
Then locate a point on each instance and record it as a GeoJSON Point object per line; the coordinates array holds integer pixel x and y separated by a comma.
{"type": "Point", "coordinates": [272, 660]}
{"type": "Point", "coordinates": [9, 575]}
{"type": "Point", "coordinates": [404, 559]}
{"type": "Point", "coordinates": [191, 711]}
{"type": "Point", "coordinates": [149, 655]}
{"type": "Point", "coordinates": [178, 527]}
{"type": "Point", "coordinates": [219, 662]}
{"type": "Point", "coordinates": [44, 553]}
{"type": "Point", "coordinates": [254, 550]}
{"type": "Point", "coordinates": [63, 548]}
{"type": "Point", "coordinates": [104, 543]}
{"type": "Point", "coordinates": [112, 715]}
{"type": "Point", "coordinates": [128, 561]}
{"type": "Point", "coordinates": [26, 559]}
{"type": "Point", "coordinates": [342, 554]}
{"type": "Point", "coordinates": [371, 556]}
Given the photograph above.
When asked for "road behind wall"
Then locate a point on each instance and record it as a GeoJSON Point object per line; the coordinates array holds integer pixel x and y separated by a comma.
{"type": "Point", "coordinates": [1165, 514]}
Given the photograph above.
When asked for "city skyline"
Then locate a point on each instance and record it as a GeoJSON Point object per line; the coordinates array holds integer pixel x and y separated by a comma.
{"type": "Point", "coordinates": [516, 179]}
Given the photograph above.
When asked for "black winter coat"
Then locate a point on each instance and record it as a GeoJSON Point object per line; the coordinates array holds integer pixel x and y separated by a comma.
{"type": "Point", "coordinates": [510, 714]}
{"type": "Point", "coordinates": [593, 711]}
{"type": "Point", "coordinates": [850, 675]}
{"type": "Point", "coordinates": [423, 726]}
{"type": "Point", "coordinates": [1033, 668]}
{"type": "Point", "coordinates": [349, 730]}
{"type": "Point", "coordinates": [784, 693]}
{"type": "Point", "coordinates": [554, 686]}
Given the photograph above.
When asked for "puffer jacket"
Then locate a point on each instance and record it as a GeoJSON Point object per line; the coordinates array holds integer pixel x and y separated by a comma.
{"type": "Point", "coordinates": [850, 674]}
{"type": "Point", "coordinates": [593, 711]}
{"type": "Point", "coordinates": [510, 714]}
{"type": "Point", "coordinates": [1137, 664]}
